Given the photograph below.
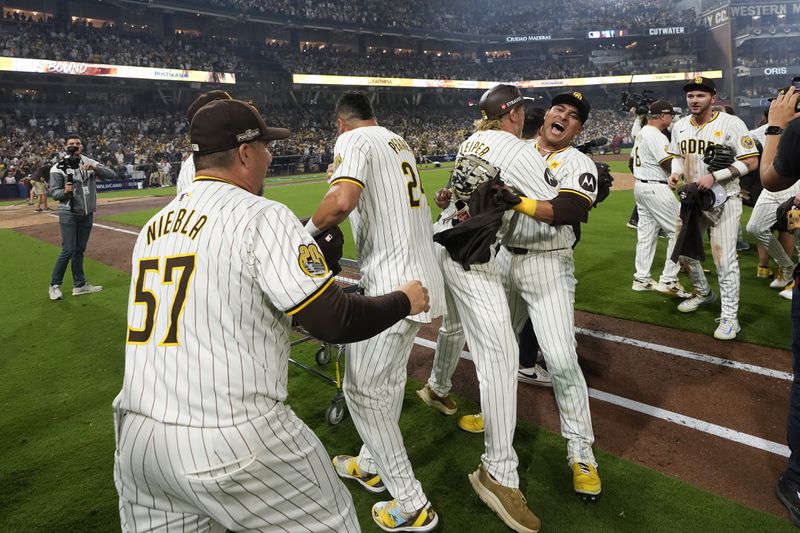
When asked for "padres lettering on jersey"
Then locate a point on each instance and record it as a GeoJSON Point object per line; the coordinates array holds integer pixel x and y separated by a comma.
{"type": "Point", "coordinates": [392, 221]}
{"type": "Point", "coordinates": [568, 171]}
{"type": "Point", "coordinates": [197, 353]}
{"type": "Point", "coordinates": [689, 141]}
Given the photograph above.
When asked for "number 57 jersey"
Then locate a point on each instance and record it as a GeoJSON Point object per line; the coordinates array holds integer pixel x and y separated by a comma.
{"type": "Point", "coordinates": [392, 221]}
{"type": "Point", "coordinates": [216, 275]}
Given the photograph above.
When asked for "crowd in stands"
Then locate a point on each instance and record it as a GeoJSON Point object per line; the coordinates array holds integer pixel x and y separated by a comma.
{"type": "Point", "coordinates": [781, 52]}
{"type": "Point", "coordinates": [138, 141]}
{"type": "Point", "coordinates": [508, 17]}
{"type": "Point", "coordinates": [107, 45]}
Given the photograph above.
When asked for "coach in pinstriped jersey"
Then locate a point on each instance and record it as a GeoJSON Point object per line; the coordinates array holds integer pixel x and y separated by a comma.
{"type": "Point", "coordinates": [204, 441]}
{"type": "Point", "coordinates": [537, 267]}
{"type": "Point", "coordinates": [656, 203]}
{"type": "Point", "coordinates": [376, 183]}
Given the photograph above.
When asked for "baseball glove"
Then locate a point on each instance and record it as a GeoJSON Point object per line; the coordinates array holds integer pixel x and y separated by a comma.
{"type": "Point", "coordinates": [793, 219]}
{"type": "Point", "coordinates": [331, 244]}
{"type": "Point", "coordinates": [468, 173]}
{"type": "Point", "coordinates": [604, 181]}
{"type": "Point", "coordinates": [719, 156]}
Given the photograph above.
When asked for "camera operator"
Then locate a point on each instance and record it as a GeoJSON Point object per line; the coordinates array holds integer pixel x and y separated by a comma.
{"type": "Point", "coordinates": [780, 169]}
{"type": "Point", "coordinates": [72, 183]}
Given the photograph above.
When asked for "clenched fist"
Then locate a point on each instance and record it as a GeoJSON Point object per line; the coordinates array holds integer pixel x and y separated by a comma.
{"type": "Point", "coordinates": [418, 296]}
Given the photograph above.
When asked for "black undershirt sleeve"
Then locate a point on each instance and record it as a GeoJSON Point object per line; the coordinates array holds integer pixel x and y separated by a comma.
{"type": "Point", "coordinates": [569, 209]}
{"type": "Point", "coordinates": [787, 159]}
{"type": "Point", "coordinates": [338, 317]}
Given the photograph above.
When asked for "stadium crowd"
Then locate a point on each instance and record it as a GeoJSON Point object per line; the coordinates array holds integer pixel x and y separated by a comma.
{"type": "Point", "coordinates": [127, 141]}
{"type": "Point", "coordinates": [513, 16]}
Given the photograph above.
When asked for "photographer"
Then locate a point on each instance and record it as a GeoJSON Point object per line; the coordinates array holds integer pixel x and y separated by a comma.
{"type": "Point", "coordinates": [780, 168]}
{"type": "Point", "coordinates": [72, 183]}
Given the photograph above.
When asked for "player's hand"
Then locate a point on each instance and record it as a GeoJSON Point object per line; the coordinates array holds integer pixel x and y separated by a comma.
{"type": "Point", "coordinates": [418, 296]}
{"type": "Point", "coordinates": [797, 199]}
{"type": "Point", "coordinates": [673, 180]}
{"type": "Point", "coordinates": [705, 182]}
{"type": "Point", "coordinates": [329, 171]}
{"type": "Point", "coordinates": [88, 166]}
{"type": "Point", "coordinates": [783, 109]}
{"type": "Point", "coordinates": [442, 197]}
{"type": "Point", "coordinates": [68, 187]}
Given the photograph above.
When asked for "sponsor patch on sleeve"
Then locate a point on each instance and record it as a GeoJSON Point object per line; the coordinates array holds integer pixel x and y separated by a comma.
{"type": "Point", "coordinates": [311, 261]}
{"type": "Point", "coordinates": [588, 182]}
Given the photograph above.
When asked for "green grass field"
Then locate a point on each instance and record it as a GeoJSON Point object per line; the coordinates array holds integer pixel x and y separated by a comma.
{"type": "Point", "coordinates": [62, 366]}
{"type": "Point", "coordinates": [604, 267]}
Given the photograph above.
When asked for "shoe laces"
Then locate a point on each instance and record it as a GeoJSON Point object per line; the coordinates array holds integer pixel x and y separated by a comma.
{"type": "Point", "coordinates": [724, 322]}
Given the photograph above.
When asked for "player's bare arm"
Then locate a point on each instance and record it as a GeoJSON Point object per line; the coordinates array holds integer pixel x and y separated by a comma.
{"type": "Point", "coordinates": [781, 112]}
{"type": "Point", "coordinates": [336, 205]}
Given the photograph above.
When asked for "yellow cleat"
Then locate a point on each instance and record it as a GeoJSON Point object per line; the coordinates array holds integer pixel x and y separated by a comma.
{"type": "Point", "coordinates": [389, 517]}
{"type": "Point", "coordinates": [471, 423]}
{"type": "Point", "coordinates": [763, 271]}
{"type": "Point", "coordinates": [586, 481]}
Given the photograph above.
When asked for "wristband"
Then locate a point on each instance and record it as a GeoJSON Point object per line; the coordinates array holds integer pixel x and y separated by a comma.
{"type": "Point", "coordinates": [527, 206]}
{"type": "Point", "coordinates": [722, 174]}
{"type": "Point", "coordinates": [312, 229]}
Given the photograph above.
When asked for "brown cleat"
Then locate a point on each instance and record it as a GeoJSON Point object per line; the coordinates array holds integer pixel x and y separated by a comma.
{"type": "Point", "coordinates": [444, 405]}
{"type": "Point", "coordinates": [509, 504]}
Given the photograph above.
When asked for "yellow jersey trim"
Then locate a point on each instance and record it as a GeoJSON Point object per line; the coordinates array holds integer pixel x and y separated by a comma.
{"type": "Point", "coordinates": [714, 116]}
{"type": "Point", "coordinates": [747, 156]}
{"type": "Point", "coordinates": [213, 178]}
{"type": "Point", "coordinates": [349, 180]}
{"type": "Point", "coordinates": [670, 156]}
{"type": "Point", "coordinates": [550, 154]}
{"type": "Point", "coordinates": [302, 305]}
{"type": "Point", "coordinates": [577, 193]}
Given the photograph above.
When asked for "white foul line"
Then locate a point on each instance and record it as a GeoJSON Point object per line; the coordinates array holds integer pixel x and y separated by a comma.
{"type": "Point", "coordinates": [112, 228]}
{"type": "Point", "coordinates": [688, 355]}
{"type": "Point", "coordinates": [669, 416]}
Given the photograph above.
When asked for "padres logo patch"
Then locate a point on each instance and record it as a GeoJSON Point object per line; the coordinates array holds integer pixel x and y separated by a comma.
{"type": "Point", "coordinates": [577, 95]}
{"type": "Point", "coordinates": [588, 182]}
{"type": "Point", "coordinates": [554, 165]}
{"type": "Point", "coordinates": [698, 79]}
{"type": "Point", "coordinates": [748, 143]}
{"type": "Point", "coordinates": [311, 261]}
{"type": "Point", "coordinates": [717, 134]}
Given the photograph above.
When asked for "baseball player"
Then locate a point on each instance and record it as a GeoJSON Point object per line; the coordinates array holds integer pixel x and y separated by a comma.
{"type": "Point", "coordinates": [376, 183]}
{"type": "Point", "coordinates": [763, 218]}
{"type": "Point", "coordinates": [656, 203]}
{"type": "Point", "coordinates": [204, 441]}
{"type": "Point", "coordinates": [187, 171]}
{"type": "Point", "coordinates": [691, 136]}
{"type": "Point", "coordinates": [537, 267]}
{"type": "Point", "coordinates": [477, 309]}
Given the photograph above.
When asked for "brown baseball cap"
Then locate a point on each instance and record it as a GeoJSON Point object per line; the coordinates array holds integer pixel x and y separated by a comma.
{"type": "Point", "coordinates": [701, 83]}
{"type": "Point", "coordinates": [499, 100]}
{"type": "Point", "coordinates": [576, 99]}
{"type": "Point", "coordinates": [204, 99]}
{"type": "Point", "coordinates": [661, 106]}
{"type": "Point", "coordinates": [224, 124]}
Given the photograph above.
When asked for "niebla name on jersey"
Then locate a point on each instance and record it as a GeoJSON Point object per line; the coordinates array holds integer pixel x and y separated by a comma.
{"type": "Point", "coordinates": [170, 222]}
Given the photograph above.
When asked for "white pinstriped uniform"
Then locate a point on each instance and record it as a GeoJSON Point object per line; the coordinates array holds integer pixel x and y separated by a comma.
{"type": "Point", "coordinates": [659, 209]}
{"type": "Point", "coordinates": [394, 243]}
{"type": "Point", "coordinates": [204, 441]}
{"type": "Point", "coordinates": [477, 299]}
{"type": "Point", "coordinates": [763, 215]}
{"type": "Point", "coordinates": [541, 284]}
{"type": "Point", "coordinates": [689, 141]}
{"type": "Point", "coordinates": [185, 176]}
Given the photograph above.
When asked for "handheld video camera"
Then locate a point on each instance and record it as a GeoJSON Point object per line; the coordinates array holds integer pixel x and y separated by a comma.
{"type": "Point", "coordinates": [640, 102]}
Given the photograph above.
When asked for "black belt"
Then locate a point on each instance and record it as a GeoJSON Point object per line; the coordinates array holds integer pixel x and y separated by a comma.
{"type": "Point", "coordinates": [651, 181]}
{"type": "Point", "coordinates": [523, 251]}
{"type": "Point", "coordinates": [517, 251]}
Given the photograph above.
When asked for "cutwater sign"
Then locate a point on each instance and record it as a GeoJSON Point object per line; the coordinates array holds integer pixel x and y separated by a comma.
{"type": "Point", "coordinates": [667, 31]}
